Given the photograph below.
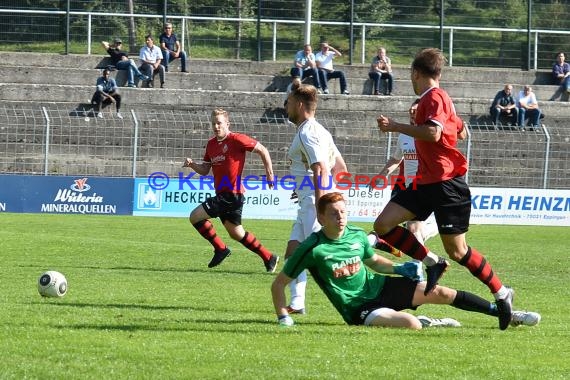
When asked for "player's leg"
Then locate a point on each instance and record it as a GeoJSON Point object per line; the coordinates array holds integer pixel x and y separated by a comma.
{"type": "Point", "coordinates": [385, 317]}
{"type": "Point", "coordinates": [199, 218]}
{"type": "Point", "coordinates": [305, 224]}
{"type": "Point", "coordinates": [429, 228]}
{"type": "Point", "coordinates": [387, 227]}
{"type": "Point", "coordinates": [453, 216]}
{"type": "Point", "coordinates": [232, 223]}
{"type": "Point", "coordinates": [397, 294]}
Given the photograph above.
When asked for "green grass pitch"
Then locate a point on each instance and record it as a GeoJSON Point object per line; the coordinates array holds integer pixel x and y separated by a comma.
{"type": "Point", "coordinates": [142, 304]}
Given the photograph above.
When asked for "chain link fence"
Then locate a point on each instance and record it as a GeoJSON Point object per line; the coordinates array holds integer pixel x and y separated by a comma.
{"type": "Point", "coordinates": [56, 140]}
{"type": "Point", "coordinates": [506, 33]}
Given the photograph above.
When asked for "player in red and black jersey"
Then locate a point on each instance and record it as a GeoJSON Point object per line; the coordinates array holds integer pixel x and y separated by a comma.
{"type": "Point", "coordinates": [225, 156]}
{"type": "Point", "coordinates": [441, 186]}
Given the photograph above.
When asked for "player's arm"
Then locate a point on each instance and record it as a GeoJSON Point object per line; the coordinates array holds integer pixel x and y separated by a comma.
{"type": "Point", "coordinates": [427, 132]}
{"type": "Point", "coordinates": [380, 264]}
{"type": "Point", "coordinates": [201, 168]}
{"type": "Point", "coordinates": [280, 300]}
{"type": "Point", "coordinates": [321, 179]}
{"type": "Point", "coordinates": [105, 45]}
{"type": "Point", "coordinates": [462, 132]}
{"type": "Point", "coordinates": [383, 265]}
{"type": "Point", "coordinates": [266, 159]}
{"type": "Point", "coordinates": [339, 166]}
{"type": "Point", "coordinates": [336, 52]}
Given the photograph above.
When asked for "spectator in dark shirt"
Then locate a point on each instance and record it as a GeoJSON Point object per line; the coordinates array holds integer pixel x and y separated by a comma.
{"type": "Point", "coordinates": [171, 49]}
{"type": "Point", "coordinates": [561, 76]}
{"type": "Point", "coordinates": [505, 105]}
{"type": "Point", "coordinates": [122, 61]}
{"type": "Point", "coordinates": [106, 94]}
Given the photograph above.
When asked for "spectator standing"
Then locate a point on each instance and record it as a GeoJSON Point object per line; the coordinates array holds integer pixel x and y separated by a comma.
{"type": "Point", "coordinates": [561, 76]}
{"type": "Point", "coordinates": [505, 105]}
{"type": "Point", "coordinates": [324, 59]}
{"type": "Point", "coordinates": [151, 58]}
{"type": "Point", "coordinates": [381, 70]}
{"type": "Point", "coordinates": [225, 155]}
{"type": "Point", "coordinates": [304, 66]}
{"type": "Point", "coordinates": [528, 108]}
{"type": "Point", "coordinates": [105, 94]}
{"type": "Point", "coordinates": [171, 49]}
{"type": "Point", "coordinates": [122, 61]}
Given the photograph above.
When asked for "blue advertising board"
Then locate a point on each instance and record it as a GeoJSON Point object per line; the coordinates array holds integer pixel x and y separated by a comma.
{"type": "Point", "coordinates": [66, 195]}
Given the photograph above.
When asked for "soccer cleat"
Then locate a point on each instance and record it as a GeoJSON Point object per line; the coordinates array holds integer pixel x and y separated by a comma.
{"type": "Point", "coordinates": [219, 256]}
{"type": "Point", "coordinates": [438, 322]}
{"type": "Point", "coordinates": [504, 307]}
{"type": "Point", "coordinates": [99, 115]}
{"type": "Point", "coordinates": [326, 91]}
{"type": "Point", "coordinates": [271, 264]}
{"type": "Point", "coordinates": [132, 85]}
{"type": "Point", "coordinates": [162, 85]}
{"type": "Point", "coordinates": [524, 318]}
{"type": "Point", "coordinates": [290, 310]}
{"type": "Point", "coordinates": [346, 92]}
{"type": "Point", "coordinates": [434, 273]}
{"type": "Point", "coordinates": [119, 115]}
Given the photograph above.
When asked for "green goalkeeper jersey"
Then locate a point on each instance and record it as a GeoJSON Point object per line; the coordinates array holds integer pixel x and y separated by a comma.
{"type": "Point", "coordinates": [337, 266]}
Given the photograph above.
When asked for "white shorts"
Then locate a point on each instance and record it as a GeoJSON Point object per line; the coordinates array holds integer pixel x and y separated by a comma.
{"type": "Point", "coordinates": [306, 222]}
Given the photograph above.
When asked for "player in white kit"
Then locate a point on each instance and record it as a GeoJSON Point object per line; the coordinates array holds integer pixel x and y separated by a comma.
{"type": "Point", "coordinates": [314, 160]}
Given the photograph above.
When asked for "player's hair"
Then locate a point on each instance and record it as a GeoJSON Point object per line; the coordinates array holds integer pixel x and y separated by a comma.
{"type": "Point", "coordinates": [148, 37]}
{"type": "Point", "coordinates": [295, 83]}
{"type": "Point", "coordinates": [106, 71]}
{"type": "Point", "coordinates": [429, 62]}
{"type": "Point", "coordinates": [217, 112]}
{"type": "Point", "coordinates": [307, 95]}
{"type": "Point", "coordinates": [327, 199]}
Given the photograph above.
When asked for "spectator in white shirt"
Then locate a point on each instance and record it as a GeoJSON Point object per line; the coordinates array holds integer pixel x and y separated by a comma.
{"type": "Point", "coordinates": [528, 108]}
{"type": "Point", "coordinates": [151, 58]}
{"type": "Point", "coordinates": [324, 60]}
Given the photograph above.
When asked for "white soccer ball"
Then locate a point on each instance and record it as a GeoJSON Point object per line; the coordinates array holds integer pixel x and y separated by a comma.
{"type": "Point", "coordinates": [52, 284]}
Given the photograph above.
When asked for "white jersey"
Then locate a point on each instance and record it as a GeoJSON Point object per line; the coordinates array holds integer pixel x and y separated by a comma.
{"type": "Point", "coordinates": [406, 149]}
{"type": "Point", "coordinates": [312, 143]}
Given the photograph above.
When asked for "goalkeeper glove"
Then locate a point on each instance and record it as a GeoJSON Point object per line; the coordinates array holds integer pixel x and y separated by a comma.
{"type": "Point", "coordinates": [409, 269]}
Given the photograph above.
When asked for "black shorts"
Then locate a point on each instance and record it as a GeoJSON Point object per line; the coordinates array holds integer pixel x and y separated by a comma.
{"type": "Point", "coordinates": [397, 294]}
{"type": "Point", "coordinates": [226, 206]}
{"type": "Point", "coordinates": [449, 200]}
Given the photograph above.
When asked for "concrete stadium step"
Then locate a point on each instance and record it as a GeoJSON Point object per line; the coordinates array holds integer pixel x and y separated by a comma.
{"type": "Point", "coordinates": [455, 74]}
{"type": "Point", "coordinates": [180, 98]}
{"type": "Point", "coordinates": [251, 82]}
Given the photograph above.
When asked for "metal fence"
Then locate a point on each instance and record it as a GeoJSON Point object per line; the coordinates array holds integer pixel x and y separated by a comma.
{"type": "Point", "coordinates": [56, 140]}
{"type": "Point", "coordinates": [482, 33]}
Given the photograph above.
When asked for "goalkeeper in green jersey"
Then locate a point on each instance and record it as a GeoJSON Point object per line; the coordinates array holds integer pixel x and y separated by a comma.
{"type": "Point", "coordinates": [337, 257]}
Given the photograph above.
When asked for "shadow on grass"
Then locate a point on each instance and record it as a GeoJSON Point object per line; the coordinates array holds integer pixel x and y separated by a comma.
{"type": "Point", "coordinates": [201, 325]}
{"type": "Point", "coordinates": [218, 271]}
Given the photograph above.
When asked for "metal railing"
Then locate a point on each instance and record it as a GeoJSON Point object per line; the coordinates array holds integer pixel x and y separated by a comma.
{"type": "Point", "coordinates": [54, 140]}
{"type": "Point", "coordinates": [540, 54]}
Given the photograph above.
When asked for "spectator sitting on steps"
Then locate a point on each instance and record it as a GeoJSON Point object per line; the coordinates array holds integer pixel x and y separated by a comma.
{"type": "Point", "coordinates": [304, 66]}
{"type": "Point", "coordinates": [324, 60]}
{"type": "Point", "coordinates": [151, 58]}
{"type": "Point", "coordinates": [381, 70]}
{"type": "Point", "coordinates": [106, 94]}
{"type": "Point", "coordinates": [505, 105]}
{"type": "Point", "coordinates": [122, 61]}
{"type": "Point", "coordinates": [528, 109]}
{"type": "Point", "coordinates": [561, 76]}
{"type": "Point", "coordinates": [171, 49]}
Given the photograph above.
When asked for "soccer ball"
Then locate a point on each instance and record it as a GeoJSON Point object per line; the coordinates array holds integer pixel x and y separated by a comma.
{"type": "Point", "coordinates": [52, 284]}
